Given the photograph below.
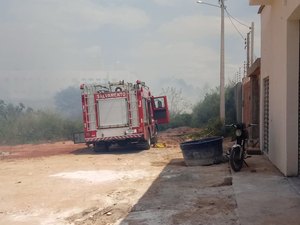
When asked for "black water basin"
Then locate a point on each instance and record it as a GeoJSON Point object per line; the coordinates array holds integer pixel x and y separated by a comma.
{"type": "Point", "coordinates": [203, 152]}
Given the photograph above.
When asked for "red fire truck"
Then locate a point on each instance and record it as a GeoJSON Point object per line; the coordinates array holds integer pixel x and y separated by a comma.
{"type": "Point", "coordinates": [121, 113]}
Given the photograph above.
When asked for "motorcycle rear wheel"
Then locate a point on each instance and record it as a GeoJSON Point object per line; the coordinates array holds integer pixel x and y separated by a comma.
{"type": "Point", "coordinates": [235, 159]}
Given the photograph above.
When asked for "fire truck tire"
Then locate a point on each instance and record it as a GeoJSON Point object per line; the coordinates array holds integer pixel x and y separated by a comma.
{"type": "Point", "coordinates": [148, 144]}
{"type": "Point", "coordinates": [154, 140]}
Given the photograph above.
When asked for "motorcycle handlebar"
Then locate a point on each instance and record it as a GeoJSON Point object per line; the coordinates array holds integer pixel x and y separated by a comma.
{"type": "Point", "coordinates": [235, 125]}
{"type": "Point", "coordinates": [230, 125]}
{"type": "Point", "coordinates": [252, 124]}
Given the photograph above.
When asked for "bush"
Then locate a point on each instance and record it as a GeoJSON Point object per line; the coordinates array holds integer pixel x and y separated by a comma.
{"type": "Point", "coordinates": [177, 120]}
{"type": "Point", "coordinates": [207, 111]}
{"type": "Point", "coordinates": [19, 125]}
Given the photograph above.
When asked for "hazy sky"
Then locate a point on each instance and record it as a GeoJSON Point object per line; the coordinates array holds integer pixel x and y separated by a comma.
{"type": "Point", "coordinates": [47, 45]}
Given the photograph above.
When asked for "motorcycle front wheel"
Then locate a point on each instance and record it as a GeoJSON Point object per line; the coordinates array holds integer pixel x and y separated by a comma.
{"type": "Point", "coordinates": [236, 159]}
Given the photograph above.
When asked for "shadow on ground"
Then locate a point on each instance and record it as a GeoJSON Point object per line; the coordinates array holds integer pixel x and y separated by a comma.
{"type": "Point", "coordinates": [180, 195]}
{"type": "Point", "coordinates": [114, 149]}
{"type": "Point", "coordinates": [187, 195]}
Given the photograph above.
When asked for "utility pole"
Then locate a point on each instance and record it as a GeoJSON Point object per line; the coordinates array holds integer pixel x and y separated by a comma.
{"type": "Point", "coordinates": [222, 66]}
{"type": "Point", "coordinates": [252, 44]}
{"type": "Point", "coordinates": [248, 52]}
{"type": "Point", "coordinates": [222, 59]}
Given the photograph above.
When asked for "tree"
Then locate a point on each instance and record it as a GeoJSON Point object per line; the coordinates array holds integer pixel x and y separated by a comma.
{"type": "Point", "coordinates": [176, 102]}
{"type": "Point", "coordinates": [68, 102]}
{"type": "Point", "coordinates": [230, 103]}
{"type": "Point", "coordinates": [208, 110]}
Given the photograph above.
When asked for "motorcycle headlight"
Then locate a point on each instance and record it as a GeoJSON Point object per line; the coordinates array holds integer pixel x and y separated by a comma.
{"type": "Point", "coordinates": [238, 132]}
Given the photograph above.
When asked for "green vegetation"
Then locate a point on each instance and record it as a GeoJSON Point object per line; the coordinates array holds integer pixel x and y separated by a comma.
{"type": "Point", "coordinates": [68, 102]}
{"type": "Point", "coordinates": [205, 114]}
{"type": "Point", "coordinates": [19, 125]}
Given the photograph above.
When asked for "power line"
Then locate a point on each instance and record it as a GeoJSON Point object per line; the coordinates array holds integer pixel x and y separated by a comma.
{"type": "Point", "coordinates": [236, 19]}
{"type": "Point", "coordinates": [229, 17]}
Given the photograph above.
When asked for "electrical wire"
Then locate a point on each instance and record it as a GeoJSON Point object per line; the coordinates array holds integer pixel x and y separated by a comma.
{"type": "Point", "coordinates": [236, 19]}
{"type": "Point", "coordinates": [229, 17]}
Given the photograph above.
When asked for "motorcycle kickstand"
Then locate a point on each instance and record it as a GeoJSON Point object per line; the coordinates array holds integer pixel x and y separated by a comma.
{"type": "Point", "coordinates": [246, 163]}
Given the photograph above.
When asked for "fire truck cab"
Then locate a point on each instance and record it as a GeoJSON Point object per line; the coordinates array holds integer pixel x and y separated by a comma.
{"type": "Point", "coordinates": [121, 113]}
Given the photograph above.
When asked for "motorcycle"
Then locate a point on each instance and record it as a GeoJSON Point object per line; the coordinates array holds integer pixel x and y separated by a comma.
{"type": "Point", "coordinates": [238, 152]}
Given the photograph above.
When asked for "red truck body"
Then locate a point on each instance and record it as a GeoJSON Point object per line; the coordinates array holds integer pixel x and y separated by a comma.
{"type": "Point", "coordinates": [121, 113]}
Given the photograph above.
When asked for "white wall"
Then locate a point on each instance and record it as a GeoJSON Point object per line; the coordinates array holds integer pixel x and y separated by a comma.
{"type": "Point", "coordinates": [280, 62]}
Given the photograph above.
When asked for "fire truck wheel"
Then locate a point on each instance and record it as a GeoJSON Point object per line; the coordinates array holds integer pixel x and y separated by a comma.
{"type": "Point", "coordinates": [145, 144]}
{"type": "Point", "coordinates": [148, 143]}
{"type": "Point", "coordinates": [154, 140]}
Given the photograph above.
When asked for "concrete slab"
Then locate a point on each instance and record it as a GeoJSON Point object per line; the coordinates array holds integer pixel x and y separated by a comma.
{"type": "Point", "coordinates": [295, 183]}
{"type": "Point", "coordinates": [209, 195]}
{"type": "Point", "coordinates": [265, 196]}
{"type": "Point", "coordinates": [187, 195]}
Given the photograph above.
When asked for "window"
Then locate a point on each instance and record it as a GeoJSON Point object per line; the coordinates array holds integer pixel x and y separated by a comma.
{"type": "Point", "coordinates": [266, 115]}
{"type": "Point", "coordinates": [159, 103]}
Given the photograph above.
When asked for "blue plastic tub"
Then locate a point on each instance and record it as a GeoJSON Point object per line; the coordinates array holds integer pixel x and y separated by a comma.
{"type": "Point", "coordinates": [203, 152]}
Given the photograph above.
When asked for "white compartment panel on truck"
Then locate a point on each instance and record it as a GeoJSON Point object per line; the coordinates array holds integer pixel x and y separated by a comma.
{"type": "Point", "coordinates": [113, 112]}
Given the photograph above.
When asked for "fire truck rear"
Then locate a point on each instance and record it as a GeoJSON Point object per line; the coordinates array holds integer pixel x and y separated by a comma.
{"type": "Point", "coordinates": [121, 113]}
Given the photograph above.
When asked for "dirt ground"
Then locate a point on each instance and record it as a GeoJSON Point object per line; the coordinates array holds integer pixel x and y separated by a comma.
{"type": "Point", "coordinates": [63, 183]}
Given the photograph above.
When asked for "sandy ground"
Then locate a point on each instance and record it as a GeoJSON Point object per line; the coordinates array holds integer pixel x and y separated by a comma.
{"type": "Point", "coordinates": [63, 183]}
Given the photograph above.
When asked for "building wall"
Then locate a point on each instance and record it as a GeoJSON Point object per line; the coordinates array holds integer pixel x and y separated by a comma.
{"type": "Point", "coordinates": [280, 62]}
{"type": "Point", "coordinates": [247, 102]}
{"type": "Point", "coordinates": [255, 92]}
